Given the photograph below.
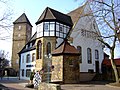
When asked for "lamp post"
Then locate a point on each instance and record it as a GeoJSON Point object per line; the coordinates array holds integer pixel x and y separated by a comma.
{"type": "Point", "coordinates": [48, 57]}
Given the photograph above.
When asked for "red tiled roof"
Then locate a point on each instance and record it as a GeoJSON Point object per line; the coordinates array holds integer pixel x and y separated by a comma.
{"type": "Point", "coordinates": [65, 48]}
{"type": "Point", "coordinates": [108, 63]}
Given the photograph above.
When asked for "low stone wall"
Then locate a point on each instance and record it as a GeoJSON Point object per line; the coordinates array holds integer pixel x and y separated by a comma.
{"type": "Point", "coordinates": [49, 86]}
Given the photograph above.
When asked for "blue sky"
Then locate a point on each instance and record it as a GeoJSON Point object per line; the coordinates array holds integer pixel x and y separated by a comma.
{"type": "Point", "coordinates": [33, 10]}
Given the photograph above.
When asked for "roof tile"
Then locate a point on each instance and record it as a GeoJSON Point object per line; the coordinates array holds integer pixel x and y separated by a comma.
{"type": "Point", "coordinates": [65, 48]}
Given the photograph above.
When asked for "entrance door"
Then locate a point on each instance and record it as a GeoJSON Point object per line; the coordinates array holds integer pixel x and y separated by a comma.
{"type": "Point", "coordinates": [97, 66]}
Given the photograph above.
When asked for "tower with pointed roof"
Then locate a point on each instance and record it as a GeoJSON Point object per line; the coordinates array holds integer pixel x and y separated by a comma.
{"type": "Point", "coordinates": [52, 28]}
{"type": "Point", "coordinates": [22, 32]}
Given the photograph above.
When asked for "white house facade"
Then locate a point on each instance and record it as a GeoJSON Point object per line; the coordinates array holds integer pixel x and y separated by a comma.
{"type": "Point", "coordinates": [28, 59]}
{"type": "Point", "coordinates": [85, 39]}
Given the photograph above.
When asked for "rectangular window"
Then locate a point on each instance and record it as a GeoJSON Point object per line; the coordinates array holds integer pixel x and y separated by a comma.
{"type": "Point", "coordinates": [64, 35]}
{"type": "Point", "coordinates": [46, 33]}
{"type": "Point", "coordinates": [28, 71]}
{"type": "Point", "coordinates": [57, 27]}
{"type": "Point", "coordinates": [67, 29]}
{"type": "Point", "coordinates": [22, 59]}
{"type": "Point", "coordinates": [52, 26]}
{"type": "Point", "coordinates": [57, 34]}
{"type": "Point", "coordinates": [61, 35]}
{"type": "Point", "coordinates": [51, 33]}
{"type": "Point", "coordinates": [61, 28]}
{"type": "Point", "coordinates": [46, 27]}
{"type": "Point", "coordinates": [64, 29]}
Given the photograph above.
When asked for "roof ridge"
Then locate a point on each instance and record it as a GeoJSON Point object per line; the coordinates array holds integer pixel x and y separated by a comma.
{"type": "Point", "coordinates": [51, 12]}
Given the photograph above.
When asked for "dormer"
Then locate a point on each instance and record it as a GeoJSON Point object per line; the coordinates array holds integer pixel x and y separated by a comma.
{"type": "Point", "coordinates": [53, 23]}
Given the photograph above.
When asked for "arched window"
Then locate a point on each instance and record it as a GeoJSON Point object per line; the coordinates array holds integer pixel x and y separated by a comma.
{"type": "Point", "coordinates": [80, 51]}
{"type": "Point", "coordinates": [33, 57]}
{"type": "Point", "coordinates": [96, 54]}
{"type": "Point", "coordinates": [39, 50]}
{"type": "Point", "coordinates": [48, 48]}
{"type": "Point", "coordinates": [28, 58]}
{"type": "Point", "coordinates": [89, 55]}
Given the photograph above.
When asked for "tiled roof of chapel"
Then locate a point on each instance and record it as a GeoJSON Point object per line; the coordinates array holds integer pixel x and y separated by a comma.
{"type": "Point", "coordinates": [65, 48]}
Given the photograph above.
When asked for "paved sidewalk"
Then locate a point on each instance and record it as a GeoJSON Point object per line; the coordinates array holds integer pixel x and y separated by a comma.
{"type": "Point", "coordinates": [13, 83]}
{"type": "Point", "coordinates": [93, 85]}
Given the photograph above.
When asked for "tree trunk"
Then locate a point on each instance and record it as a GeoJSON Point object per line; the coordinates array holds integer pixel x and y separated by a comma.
{"type": "Point", "coordinates": [114, 67]}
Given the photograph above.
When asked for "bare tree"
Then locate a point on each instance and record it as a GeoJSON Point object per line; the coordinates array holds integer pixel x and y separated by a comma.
{"type": "Point", "coordinates": [107, 15]}
{"type": "Point", "coordinates": [5, 20]}
{"type": "Point", "coordinates": [4, 62]}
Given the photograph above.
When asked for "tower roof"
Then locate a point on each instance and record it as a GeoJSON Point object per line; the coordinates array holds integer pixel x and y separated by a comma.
{"type": "Point", "coordinates": [22, 19]}
{"type": "Point", "coordinates": [51, 14]}
{"type": "Point", "coordinates": [65, 48]}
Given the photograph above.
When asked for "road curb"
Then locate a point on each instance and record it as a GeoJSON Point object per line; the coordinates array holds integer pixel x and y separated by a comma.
{"type": "Point", "coordinates": [112, 86]}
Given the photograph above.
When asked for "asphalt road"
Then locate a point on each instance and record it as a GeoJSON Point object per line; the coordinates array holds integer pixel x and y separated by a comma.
{"type": "Point", "coordinates": [13, 83]}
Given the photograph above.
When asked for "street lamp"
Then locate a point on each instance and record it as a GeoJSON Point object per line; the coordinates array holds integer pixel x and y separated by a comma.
{"type": "Point", "coordinates": [48, 57]}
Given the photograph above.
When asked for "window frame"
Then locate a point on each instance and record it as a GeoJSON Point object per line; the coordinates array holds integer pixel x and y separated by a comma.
{"type": "Point", "coordinates": [28, 58]}
{"type": "Point", "coordinates": [28, 72]}
{"type": "Point", "coordinates": [50, 30]}
{"type": "Point", "coordinates": [79, 48]}
{"type": "Point", "coordinates": [89, 55]}
{"type": "Point", "coordinates": [96, 54]}
{"type": "Point", "coordinates": [22, 59]}
{"type": "Point", "coordinates": [33, 57]}
{"type": "Point", "coordinates": [39, 49]}
{"type": "Point", "coordinates": [48, 48]}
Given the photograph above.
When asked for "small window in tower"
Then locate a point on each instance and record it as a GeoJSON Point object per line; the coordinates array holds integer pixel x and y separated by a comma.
{"type": "Point", "coordinates": [19, 27]}
{"type": "Point", "coordinates": [19, 35]}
